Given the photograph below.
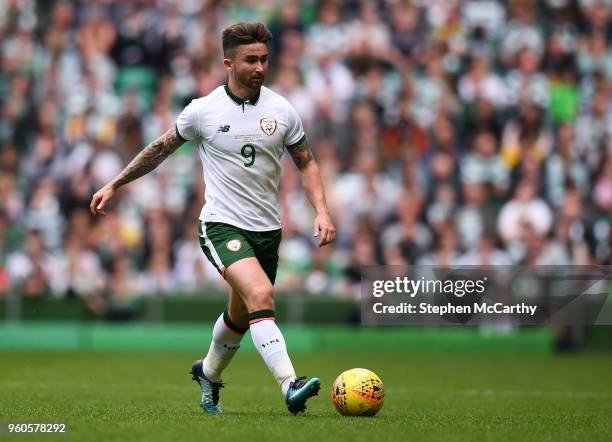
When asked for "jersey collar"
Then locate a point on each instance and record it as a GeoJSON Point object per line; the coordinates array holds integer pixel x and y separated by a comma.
{"type": "Point", "coordinates": [236, 99]}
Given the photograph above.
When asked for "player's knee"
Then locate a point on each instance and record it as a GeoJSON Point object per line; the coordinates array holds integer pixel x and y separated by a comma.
{"type": "Point", "coordinates": [261, 298]}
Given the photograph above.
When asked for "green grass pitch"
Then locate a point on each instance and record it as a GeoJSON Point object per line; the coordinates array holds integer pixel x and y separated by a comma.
{"type": "Point", "coordinates": [150, 397]}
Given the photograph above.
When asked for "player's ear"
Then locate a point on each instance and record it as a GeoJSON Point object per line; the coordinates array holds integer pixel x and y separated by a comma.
{"type": "Point", "coordinates": [227, 62]}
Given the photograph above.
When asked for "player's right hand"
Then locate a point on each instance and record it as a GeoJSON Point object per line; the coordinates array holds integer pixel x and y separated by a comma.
{"type": "Point", "coordinates": [99, 200]}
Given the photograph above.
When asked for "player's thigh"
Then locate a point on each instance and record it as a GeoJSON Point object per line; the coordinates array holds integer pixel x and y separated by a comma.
{"type": "Point", "coordinates": [237, 309]}
{"type": "Point", "coordinates": [223, 244]}
{"type": "Point", "coordinates": [266, 245]}
{"type": "Point", "coordinates": [249, 279]}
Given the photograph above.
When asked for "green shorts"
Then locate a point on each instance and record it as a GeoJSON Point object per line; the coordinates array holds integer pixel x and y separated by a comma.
{"type": "Point", "coordinates": [224, 244]}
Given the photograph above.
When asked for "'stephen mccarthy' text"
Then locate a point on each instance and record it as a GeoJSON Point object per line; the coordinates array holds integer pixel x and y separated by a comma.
{"type": "Point", "coordinates": [455, 287]}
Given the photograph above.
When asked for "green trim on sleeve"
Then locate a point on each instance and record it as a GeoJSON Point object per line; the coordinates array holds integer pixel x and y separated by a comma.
{"type": "Point", "coordinates": [179, 134]}
{"type": "Point", "coordinates": [298, 143]}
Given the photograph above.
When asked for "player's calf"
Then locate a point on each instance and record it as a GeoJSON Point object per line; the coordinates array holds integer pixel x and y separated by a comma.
{"type": "Point", "coordinates": [226, 338]}
{"type": "Point", "coordinates": [270, 343]}
{"type": "Point", "coordinates": [238, 311]}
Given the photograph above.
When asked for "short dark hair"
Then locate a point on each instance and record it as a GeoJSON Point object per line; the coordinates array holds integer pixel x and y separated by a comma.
{"type": "Point", "coordinates": [244, 34]}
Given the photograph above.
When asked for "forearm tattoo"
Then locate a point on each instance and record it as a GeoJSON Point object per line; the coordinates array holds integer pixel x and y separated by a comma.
{"type": "Point", "coordinates": [150, 157]}
{"type": "Point", "coordinates": [301, 154]}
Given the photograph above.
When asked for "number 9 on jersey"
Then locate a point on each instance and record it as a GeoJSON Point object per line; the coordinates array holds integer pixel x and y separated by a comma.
{"type": "Point", "coordinates": [248, 153]}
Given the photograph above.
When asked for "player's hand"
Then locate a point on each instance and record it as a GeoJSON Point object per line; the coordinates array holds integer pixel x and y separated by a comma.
{"type": "Point", "coordinates": [100, 198]}
{"type": "Point", "coordinates": [324, 229]}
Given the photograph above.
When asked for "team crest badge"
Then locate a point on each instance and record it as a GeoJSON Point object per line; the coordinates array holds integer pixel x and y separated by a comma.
{"type": "Point", "coordinates": [268, 125]}
{"type": "Point", "coordinates": [233, 245]}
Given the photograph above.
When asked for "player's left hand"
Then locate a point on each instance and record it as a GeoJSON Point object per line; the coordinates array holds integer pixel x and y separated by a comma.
{"type": "Point", "coordinates": [324, 229]}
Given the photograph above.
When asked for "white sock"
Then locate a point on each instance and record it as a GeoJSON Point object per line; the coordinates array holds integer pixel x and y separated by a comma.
{"type": "Point", "coordinates": [226, 339]}
{"type": "Point", "coordinates": [270, 343]}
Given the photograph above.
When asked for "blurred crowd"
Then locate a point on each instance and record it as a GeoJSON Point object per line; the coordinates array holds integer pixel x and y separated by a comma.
{"type": "Point", "coordinates": [447, 132]}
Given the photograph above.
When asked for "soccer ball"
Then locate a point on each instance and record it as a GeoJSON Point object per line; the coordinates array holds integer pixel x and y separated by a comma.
{"type": "Point", "coordinates": [358, 392]}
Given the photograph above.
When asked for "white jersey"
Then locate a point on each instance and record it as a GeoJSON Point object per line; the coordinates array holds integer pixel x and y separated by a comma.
{"type": "Point", "coordinates": [240, 143]}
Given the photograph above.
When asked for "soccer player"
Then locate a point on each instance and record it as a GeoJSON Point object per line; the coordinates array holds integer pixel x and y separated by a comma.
{"type": "Point", "coordinates": [241, 130]}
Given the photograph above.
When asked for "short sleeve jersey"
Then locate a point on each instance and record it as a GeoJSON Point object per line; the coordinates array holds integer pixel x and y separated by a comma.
{"type": "Point", "coordinates": [240, 143]}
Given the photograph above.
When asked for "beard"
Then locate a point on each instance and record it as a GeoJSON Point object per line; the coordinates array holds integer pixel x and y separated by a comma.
{"type": "Point", "coordinates": [249, 81]}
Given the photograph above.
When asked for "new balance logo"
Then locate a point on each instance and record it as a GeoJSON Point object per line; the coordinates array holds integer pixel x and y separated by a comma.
{"type": "Point", "coordinates": [223, 128]}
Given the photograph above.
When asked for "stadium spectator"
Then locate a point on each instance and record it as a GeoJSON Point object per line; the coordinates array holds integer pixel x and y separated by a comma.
{"type": "Point", "coordinates": [469, 131]}
{"type": "Point", "coordinates": [524, 213]}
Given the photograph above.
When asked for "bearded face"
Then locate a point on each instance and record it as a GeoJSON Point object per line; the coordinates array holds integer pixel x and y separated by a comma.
{"type": "Point", "coordinates": [248, 65]}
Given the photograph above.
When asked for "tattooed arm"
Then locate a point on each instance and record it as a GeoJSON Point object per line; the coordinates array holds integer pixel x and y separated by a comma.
{"type": "Point", "coordinates": [148, 159]}
{"type": "Point", "coordinates": [313, 186]}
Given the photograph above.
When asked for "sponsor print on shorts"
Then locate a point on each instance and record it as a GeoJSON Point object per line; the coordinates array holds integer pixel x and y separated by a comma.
{"type": "Point", "coordinates": [268, 125]}
{"type": "Point", "coordinates": [233, 245]}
